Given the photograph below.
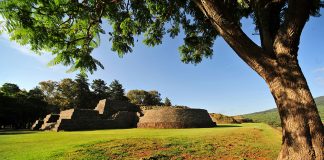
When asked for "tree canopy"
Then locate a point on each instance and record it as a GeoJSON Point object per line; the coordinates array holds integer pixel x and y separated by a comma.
{"type": "Point", "coordinates": [71, 29]}
{"type": "Point", "coordinates": [10, 89]}
{"type": "Point", "coordinates": [145, 98]}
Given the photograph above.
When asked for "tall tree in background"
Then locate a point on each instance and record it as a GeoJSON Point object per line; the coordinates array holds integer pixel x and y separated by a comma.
{"type": "Point", "coordinates": [83, 94]}
{"type": "Point", "coordinates": [36, 93]}
{"type": "Point", "coordinates": [100, 89]}
{"type": "Point", "coordinates": [154, 98]}
{"type": "Point", "coordinates": [67, 93]}
{"type": "Point", "coordinates": [142, 97]}
{"type": "Point", "coordinates": [137, 96]}
{"type": "Point", "coordinates": [49, 89]}
{"type": "Point", "coordinates": [20, 109]}
{"type": "Point", "coordinates": [71, 29]}
{"type": "Point", "coordinates": [9, 89]}
{"type": "Point", "coordinates": [167, 102]}
{"type": "Point", "coordinates": [117, 92]}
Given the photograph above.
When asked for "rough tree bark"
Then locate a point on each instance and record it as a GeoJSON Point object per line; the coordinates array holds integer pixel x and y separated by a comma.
{"type": "Point", "coordinates": [302, 129]}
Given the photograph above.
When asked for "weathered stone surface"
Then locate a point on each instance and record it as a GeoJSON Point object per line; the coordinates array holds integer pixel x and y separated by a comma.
{"type": "Point", "coordinates": [49, 121]}
{"type": "Point", "coordinates": [83, 119]}
{"type": "Point", "coordinates": [222, 119]}
{"type": "Point", "coordinates": [114, 114]}
{"type": "Point", "coordinates": [241, 119]}
{"type": "Point", "coordinates": [168, 117]}
{"type": "Point", "coordinates": [37, 125]}
{"type": "Point", "coordinates": [108, 108]}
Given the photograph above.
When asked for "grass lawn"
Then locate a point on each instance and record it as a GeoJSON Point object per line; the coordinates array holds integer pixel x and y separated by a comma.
{"type": "Point", "coordinates": [244, 141]}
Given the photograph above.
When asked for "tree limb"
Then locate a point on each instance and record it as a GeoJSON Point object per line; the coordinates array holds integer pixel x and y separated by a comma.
{"type": "Point", "coordinates": [250, 52]}
{"type": "Point", "coordinates": [287, 39]}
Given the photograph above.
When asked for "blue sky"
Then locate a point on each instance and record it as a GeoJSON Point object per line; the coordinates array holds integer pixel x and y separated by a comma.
{"type": "Point", "coordinates": [223, 84]}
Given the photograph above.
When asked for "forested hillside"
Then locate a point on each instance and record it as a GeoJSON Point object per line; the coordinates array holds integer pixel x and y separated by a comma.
{"type": "Point", "coordinates": [272, 118]}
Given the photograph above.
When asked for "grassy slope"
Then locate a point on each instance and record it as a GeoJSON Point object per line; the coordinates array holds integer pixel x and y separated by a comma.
{"type": "Point", "coordinates": [272, 117]}
{"type": "Point", "coordinates": [243, 141]}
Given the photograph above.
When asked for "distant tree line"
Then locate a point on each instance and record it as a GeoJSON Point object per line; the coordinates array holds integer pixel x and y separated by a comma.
{"type": "Point", "coordinates": [20, 108]}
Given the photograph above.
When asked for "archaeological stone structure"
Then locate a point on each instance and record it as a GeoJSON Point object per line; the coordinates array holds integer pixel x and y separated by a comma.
{"type": "Point", "coordinates": [114, 114]}
{"type": "Point", "coordinates": [107, 115]}
{"type": "Point", "coordinates": [222, 119]}
{"type": "Point", "coordinates": [168, 117]}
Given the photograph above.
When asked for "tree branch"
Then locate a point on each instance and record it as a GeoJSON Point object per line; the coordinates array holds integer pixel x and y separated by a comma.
{"type": "Point", "coordinates": [267, 17]}
{"type": "Point", "coordinates": [232, 33]}
{"type": "Point", "coordinates": [287, 39]}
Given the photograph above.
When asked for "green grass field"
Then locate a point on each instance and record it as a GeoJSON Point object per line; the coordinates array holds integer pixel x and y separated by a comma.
{"type": "Point", "coordinates": [244, 141]}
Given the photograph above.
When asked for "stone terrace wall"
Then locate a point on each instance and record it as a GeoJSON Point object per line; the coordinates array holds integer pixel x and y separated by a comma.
{"type": "Point", "coordinates": [175, 118]}
{"type": "Point", "coordinates": [222, 119]}
{"type": "Point", "coordinates": [241, 119]}
{"type": "Point", "coordinates": [37, 125]}
{"type": "Point", "coordinates": [49, 121]}
{"type": "Point", "coordinates": [81, 119]}
{"type": "Point", "coordinates": [107, 108]}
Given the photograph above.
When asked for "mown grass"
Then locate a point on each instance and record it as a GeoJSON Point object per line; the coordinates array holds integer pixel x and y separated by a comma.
{"type": "Point", "coordinates": [244, 141]}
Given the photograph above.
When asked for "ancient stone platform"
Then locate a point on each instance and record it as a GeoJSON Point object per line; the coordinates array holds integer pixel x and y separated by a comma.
{"type": "Point", "coordinates": [222, 119]}
{"type": "Point", "coordinates": [168, 117]}
{"type": "Point", "coordinates": [81, 119]}
{"type": "Point", "coordinates": [107, 115]}
{"type": "Point", "coordinates": [115, 115]}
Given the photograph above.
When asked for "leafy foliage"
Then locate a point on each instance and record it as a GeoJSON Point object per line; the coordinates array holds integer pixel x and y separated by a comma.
{"type": "Point", "coordinates": [116, 91]}
{"type": "Point", "coordinates": [100, 89]}
{"type": "Point", "coordinates": [167, 102]}
{"type": "Point", "coordinates": [83, 94]}
{"type": "Point", "coordinates": [10, 89]}
{"type": "Point", "coordinates": [70, 30]}
{"type": "Point", "coordinates": [142, 97]}
{"type": "Point", "coordinates": [21, 109]}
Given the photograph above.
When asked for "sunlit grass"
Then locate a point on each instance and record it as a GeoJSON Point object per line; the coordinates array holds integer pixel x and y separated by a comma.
{"type": "Point", "coordinates": [249, 141]}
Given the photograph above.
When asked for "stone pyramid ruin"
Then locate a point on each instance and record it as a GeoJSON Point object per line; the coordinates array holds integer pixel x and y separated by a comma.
{"type": "Point", "coordinates": [104, 116]}
{"type": "Point", "coordinates": [116, 115]}
{"type": "Point", "coordinates": [170, 117]}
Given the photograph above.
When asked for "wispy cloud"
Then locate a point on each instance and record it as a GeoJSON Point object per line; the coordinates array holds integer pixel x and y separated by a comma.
{"type": "Point", "coordinates": [319, 70]}
{"type": "Point", "coordinates": [319, 80]}
{"type": "Point", "coordinates": [25, 50]}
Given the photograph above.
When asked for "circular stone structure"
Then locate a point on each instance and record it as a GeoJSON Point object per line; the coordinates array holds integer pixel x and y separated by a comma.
{"type": "Point", "coordinates": [175, 118]}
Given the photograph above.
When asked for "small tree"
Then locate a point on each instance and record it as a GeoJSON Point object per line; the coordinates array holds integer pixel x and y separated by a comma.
{"type": "Point", "coordinates": [167, 102]}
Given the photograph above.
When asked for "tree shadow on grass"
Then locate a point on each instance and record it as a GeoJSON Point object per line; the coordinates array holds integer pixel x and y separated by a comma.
{"type": "Point", "coordinates": [15, 132]}
{"type": "Point", "coordinates": [227, 125]}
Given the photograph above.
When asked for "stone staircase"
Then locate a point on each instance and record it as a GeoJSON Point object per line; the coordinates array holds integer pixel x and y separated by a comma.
{"type": "Point", "coordinates": [49, 121]}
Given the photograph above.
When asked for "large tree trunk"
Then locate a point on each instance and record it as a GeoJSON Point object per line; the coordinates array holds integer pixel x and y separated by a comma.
{"type": "Point", "coordinates": [277, 64]}
{"type": "Point", "coordinates": [302, 129]}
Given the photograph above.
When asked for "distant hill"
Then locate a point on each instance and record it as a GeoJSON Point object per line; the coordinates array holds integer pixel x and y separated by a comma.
{"type": "Point", "coordinates": [272, 118]}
